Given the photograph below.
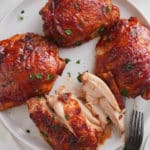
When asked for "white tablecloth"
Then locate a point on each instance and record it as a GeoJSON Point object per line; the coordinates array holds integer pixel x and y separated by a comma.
{"type": "Point", "coordinates": [7, 141]}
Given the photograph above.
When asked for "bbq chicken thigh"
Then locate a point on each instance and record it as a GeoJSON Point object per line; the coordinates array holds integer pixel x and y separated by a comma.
{"type": "Point", "coordinates": [123, 59]}
{"type": "Point", "coordinates": [71, 22]}
{"type": "Point", "coordinates": [29, 65]}
{"type": "Point", "coordinates": [52, 130]}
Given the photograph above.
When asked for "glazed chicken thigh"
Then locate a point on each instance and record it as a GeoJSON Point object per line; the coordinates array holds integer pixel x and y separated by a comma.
{"type": "Point", "coordinates": [123, 59]}
{"type": "Point", "coordinates": [52, 130]}
{"type": "Point", "coordinates": [71, 22]}
{"type": "Point", "coordinates": [29, 65]}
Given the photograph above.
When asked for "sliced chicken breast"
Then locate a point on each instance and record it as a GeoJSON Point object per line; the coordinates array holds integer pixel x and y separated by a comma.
{"type": "Point", "coordinates": [102, 101]}
{"type": "Point", "coordinates": [53, 131]}
{"type": "Point", "coordinates": [76, 117]}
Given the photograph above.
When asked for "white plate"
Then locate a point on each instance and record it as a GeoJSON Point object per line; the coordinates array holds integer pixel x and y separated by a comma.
{"type": "Point", "coordinates": [17, 119]}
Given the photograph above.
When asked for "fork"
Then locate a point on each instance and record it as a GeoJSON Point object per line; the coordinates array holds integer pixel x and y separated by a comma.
{"type": "Point", "coordinates": [135, 136]}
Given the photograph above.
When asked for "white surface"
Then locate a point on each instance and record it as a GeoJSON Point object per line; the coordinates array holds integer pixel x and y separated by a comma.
{"type": "Point", "coordinates": [6, 141]}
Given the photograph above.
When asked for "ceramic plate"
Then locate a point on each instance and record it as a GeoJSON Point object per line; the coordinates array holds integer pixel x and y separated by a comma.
{"type": "Point", "coordinates": [17, 119]}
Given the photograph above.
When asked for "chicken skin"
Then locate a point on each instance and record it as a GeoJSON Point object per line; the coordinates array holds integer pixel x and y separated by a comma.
{"type": "Point", "coordinates": [123, 59]}
{"type": "Point", "coordinates": [72, 22]}
{"type": "Point", "coordinates": [53, 131]}
{"type": "Point", "coordinates": [29, 65]}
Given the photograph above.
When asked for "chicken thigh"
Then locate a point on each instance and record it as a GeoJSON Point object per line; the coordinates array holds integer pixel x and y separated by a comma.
{"type": "Point", "coordinates": [123, 59]}
{"type": "Point", "coordinates": [29, 65]}
{"type": "Point", "coordinates": [71, 22]}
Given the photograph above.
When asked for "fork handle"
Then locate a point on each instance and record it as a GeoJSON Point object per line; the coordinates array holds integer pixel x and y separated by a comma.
{"type": "Point", "coordinates": [129, 147]}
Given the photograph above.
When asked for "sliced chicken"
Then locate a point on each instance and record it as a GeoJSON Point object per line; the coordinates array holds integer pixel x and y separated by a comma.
{"type": "Point", "coordinates": [53, 131]}
{"type": "Point", "coordinates": [77, 118]}
{"type": "Point", "coordinates": [100, 99]}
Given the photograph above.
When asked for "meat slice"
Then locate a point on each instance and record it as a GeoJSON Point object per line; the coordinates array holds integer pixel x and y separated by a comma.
{"type": "Point", "coordinates": [29, 65]}
{"type": "Point", "coordinates": [77, 118]}
{"type": "Point", "coordinates": [101, 100]}
{"type": "Point", "coordinates": [72, 22]}
{"type": "Point", "coordinates": [123, 59]}
{"type": "Point", "coordinates": [53, 131]}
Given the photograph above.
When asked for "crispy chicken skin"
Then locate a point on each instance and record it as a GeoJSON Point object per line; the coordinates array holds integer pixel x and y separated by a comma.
{"type": "Point", "coordinates": [123, 59]}
{"type": "Point", "coordinates": [71, 22]}
{"type": "Point", "coordinates": [53, 131]}
{"type": "Point", "coordinates": [29, 65]}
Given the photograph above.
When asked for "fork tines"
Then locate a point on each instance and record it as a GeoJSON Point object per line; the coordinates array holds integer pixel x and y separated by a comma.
{"type": "Point", "coordinates": [135, 131]}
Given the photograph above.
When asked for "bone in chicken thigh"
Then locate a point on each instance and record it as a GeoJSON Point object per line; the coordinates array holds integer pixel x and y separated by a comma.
{"type": "Point", "coordinates": [29, 65]}
{"type": "Point", "coordinates": [72, 22]}
{"type": "Point", "coordinates": [123, 59]}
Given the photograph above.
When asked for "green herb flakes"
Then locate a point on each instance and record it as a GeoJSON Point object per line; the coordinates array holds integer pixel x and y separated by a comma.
{"type": "Point", "coordinates": [56, 128]}
{"type": "Point", "coordinates": [21, 18]}
{"type": "Point", "coordinates": [68, 32]}
{"type": "Point", "coordinates": [101, 30]}
{"type": "Point", "coordinates": [50, 77]}
{"type": "Point", "coordinates": [38, 76]}
{"type": "Point", "coordinates": [124, 92]}
{"type": "Point", "coordinates": [106, 9]}
{"type": "Point", "coordinates": [67, 117]}
{"type": "Point", "coordinates": [67, 60]}
{"type": "Point", "coordinates": [31, 76]}
{"type": "Point", "coordinates": [128, 66]}
{"type": "Point", "coordinates": [78, 43]}
{"type": "Point", "coordinates": [78, 62]}
{"type": "Point", "coordinates": [79, 77]}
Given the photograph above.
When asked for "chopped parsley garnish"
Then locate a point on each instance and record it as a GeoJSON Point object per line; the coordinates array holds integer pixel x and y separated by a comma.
{"type": "Point", "coordinates": [69, 74]}
{"type": "Point", "coordinates": [21, 18]}
{"type": "Point", "coordinates": [38, 76]}
{"type": "Point", "coordinates": [78, 62]}
{"type": "Point", "coordinates": [67, 117]}
{"type": "Point", "coordinates": [128, 66]}
{"type": "Point", "coordinates": [67, 60]}
{"type": "Point", "coordinates": [124, 92]}
{"type": "Point", "coordinates": [50, 77]}
{"type": "Point", "coordinates": [79, 77]}
{"type": "Point", "coordinates": [106, 9]}
{"type": "Point", "coordinates": [56, 128]}
{"type": "Point", "coordinates": [68, 32]}
{"type": "Point", "coordinates": [32, 76]}
{"type": "Point", "coordinates": [101, 30]}
{"type": "Point", "coordinates": [78, 43]}
{"type": "Point", "coordinates": [44, 134]}
{"type": "Point", "coordinates": [28, 131]}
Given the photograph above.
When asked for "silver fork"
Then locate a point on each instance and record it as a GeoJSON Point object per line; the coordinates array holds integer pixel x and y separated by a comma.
{"type": "Point", "coordinates": [136, 128]}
